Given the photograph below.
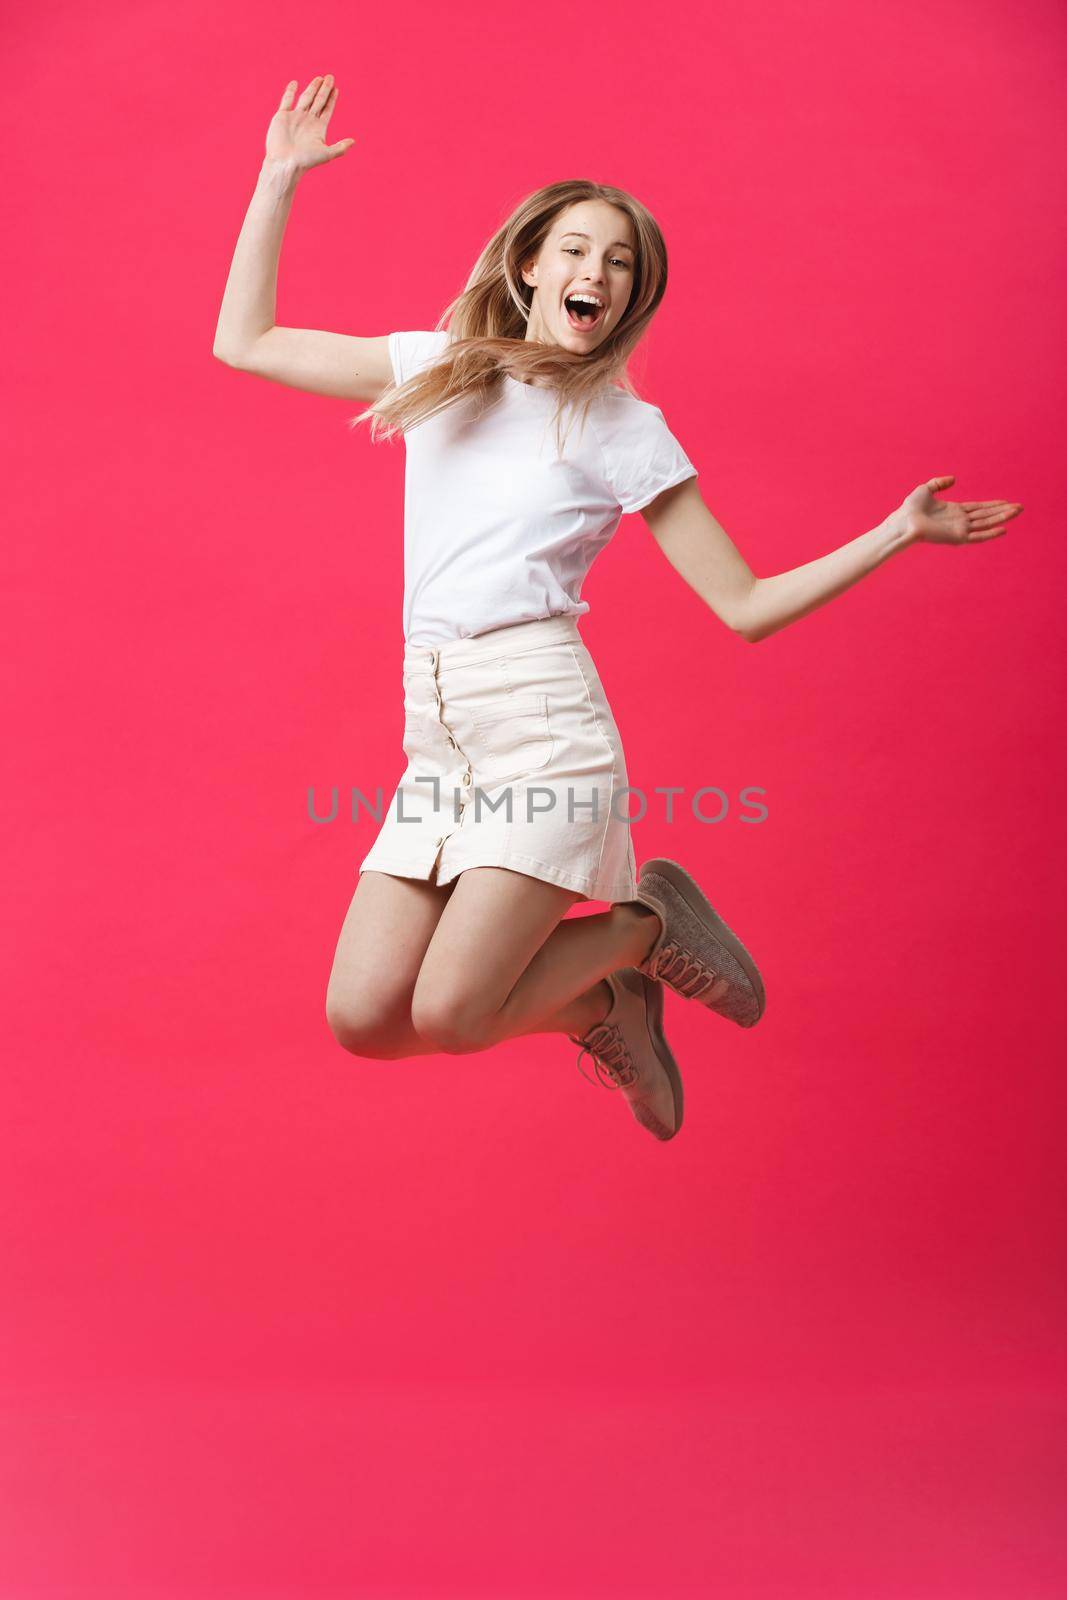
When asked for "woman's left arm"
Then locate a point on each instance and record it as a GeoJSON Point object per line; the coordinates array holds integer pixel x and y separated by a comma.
{"type": "Point", "coordinates": [703, 554]}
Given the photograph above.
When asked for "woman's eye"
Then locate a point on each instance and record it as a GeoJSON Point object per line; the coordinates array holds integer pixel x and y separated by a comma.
{"type": "Point", "coordinates": [571, 250]}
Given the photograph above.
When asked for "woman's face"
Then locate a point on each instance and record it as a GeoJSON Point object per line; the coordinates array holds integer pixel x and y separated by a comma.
{"type": "Point", "coordinates": [590, 252]}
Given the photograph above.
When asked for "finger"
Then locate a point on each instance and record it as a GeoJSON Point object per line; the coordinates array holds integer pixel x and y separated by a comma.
{"type": "Point", "coordinates": [339, 149]}
{"type": "Point", "coordinates": [985, 519]}
{"type": "Point", "coordinates": [988, 533]}
{"type": "Point", "coordinates": [331, 100]}
{"type": "Point", "coordinates": [939, 483]}
{"type": "Point", "coordinates": [325, 85]}
{"type": "Point", "coordinates": [1002, 513]}
{"type": "Point", "coordinates": [309, 94]}
{"type": "Point", "coordinates": [287, 98]}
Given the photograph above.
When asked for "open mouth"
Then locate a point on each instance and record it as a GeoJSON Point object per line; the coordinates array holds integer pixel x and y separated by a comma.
{"type": "Point", "coordinates": [583, 314]}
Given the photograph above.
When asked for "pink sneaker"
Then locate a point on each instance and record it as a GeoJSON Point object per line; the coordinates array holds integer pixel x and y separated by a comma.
{"type": "Point", "coordinates": [630, 1053]}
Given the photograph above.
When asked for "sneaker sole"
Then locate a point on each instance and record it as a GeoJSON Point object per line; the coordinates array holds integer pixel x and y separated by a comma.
{"type": "Point", "coordinates": [681, 882]}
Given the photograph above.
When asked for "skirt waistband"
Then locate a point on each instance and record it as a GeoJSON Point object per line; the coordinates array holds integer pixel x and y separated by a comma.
{"type": "Point", "coordinates": [516, 636]}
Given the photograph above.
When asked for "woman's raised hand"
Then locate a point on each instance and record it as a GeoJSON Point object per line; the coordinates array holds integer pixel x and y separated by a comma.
{"type": "Point", "coordinates": [297, 133]}
{"type": "Point", "coordinates": [954, 521]}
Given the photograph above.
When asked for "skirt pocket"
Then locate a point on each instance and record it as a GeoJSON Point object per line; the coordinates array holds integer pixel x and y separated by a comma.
{"type": "Point", "coordinates": [512, 736]}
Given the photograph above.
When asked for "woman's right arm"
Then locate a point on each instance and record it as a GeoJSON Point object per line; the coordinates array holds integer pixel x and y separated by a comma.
{"type": "Point", "coordinates": [246, 335]}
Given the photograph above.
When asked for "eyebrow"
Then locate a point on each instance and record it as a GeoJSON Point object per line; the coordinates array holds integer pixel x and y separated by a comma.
{"type": "Point", "coordinates": [573, 234]}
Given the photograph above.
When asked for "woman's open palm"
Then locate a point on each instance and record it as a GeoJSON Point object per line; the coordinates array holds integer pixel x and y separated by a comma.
{"type": "Point", "coordinates": [297, 133]}
{"type": "Point", "coordinates": [954, 521]}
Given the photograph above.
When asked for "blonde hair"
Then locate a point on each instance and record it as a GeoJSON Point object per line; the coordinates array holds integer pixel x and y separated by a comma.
{"type": "Point", "coordinates": [487, 322]}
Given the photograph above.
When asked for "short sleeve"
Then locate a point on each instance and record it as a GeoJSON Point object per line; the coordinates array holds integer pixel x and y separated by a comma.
{"type": "Point", "coordinates": [410, 352]}
{"type": "Point", "coordinates": [643, 457]}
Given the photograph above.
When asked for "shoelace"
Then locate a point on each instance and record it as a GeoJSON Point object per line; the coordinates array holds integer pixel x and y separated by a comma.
{"type": "Point", "coordinates": [612, 1062]}
{"type": "Point", "coordinates": [683, 971]}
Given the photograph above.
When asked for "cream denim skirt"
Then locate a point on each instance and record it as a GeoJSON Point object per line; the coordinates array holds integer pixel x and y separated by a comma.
{"type": "Point", "coordinates": [513, 760]}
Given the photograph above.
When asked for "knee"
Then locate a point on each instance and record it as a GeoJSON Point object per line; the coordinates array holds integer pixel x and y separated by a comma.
{"type": "Point", "coordinates": [361, 1032]}
{"type": "Point", "coordinates": [447, 1024]}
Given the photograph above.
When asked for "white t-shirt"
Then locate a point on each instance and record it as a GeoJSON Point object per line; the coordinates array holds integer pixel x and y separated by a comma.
{"type": "Point", "coordinates": [498, 527]}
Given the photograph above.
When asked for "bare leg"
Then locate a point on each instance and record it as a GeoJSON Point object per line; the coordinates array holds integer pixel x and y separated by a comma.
{"type": "Point", "coordinates": [392, 921]}
{"type": "Point", "coordinates": [574, 1019]}
{"type": "Point", "coordinates": [502, 962]}
{"type": "Point", "coordinates": [601, 943]}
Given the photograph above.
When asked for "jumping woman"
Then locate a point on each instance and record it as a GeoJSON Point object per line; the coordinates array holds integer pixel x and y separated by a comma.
{"type": "Point", "coordinates": [505, 814]}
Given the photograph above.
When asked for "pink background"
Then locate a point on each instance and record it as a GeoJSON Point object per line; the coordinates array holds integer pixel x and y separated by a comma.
{"type": "Point", "coordinates": [283, 1323]}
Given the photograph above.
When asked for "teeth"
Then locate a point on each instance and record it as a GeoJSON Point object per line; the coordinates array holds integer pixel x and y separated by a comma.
{"type": "Point", "coordinates": [587, 299]}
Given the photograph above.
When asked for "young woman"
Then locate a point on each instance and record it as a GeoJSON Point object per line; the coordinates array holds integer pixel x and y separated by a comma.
{"type": "Point", "coordinates": [507, 812]}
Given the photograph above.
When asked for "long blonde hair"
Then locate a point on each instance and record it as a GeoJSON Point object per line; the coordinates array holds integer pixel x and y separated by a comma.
{"type": "Point", "coordinates": [487, 322]}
